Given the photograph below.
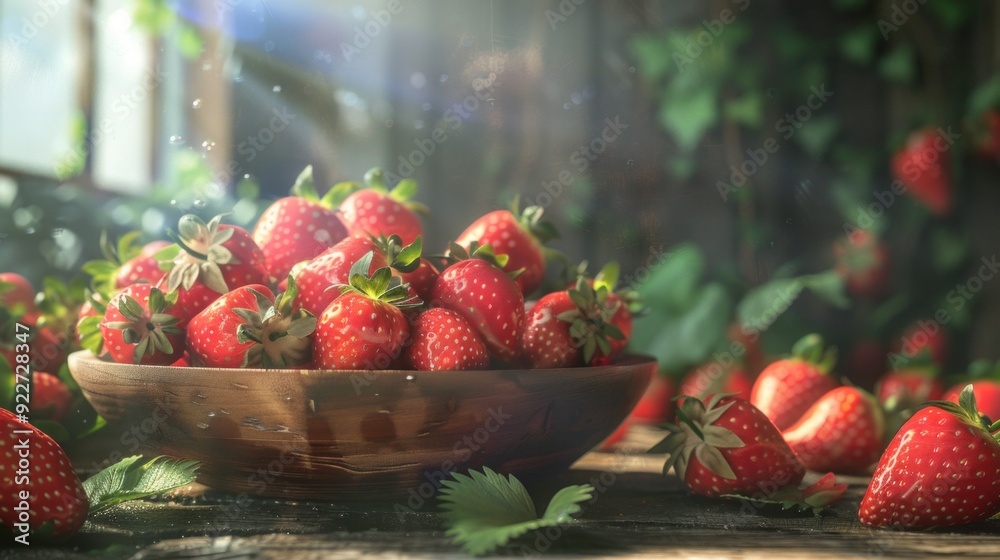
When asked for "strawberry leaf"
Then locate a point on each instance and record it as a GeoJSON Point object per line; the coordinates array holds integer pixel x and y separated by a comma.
{"type": "Point", "coordinates": [486, 510]}
{"type": "Point", "coordinates": [339, 192]}
{"type": "Point", "coordinates": [304, 186]}
{"type": "Point", "coordinates": [131, 480]}
{"type": "Point", "coordinates": [375, 179]}
{"type": "Point", "coordinates": [404, 191]}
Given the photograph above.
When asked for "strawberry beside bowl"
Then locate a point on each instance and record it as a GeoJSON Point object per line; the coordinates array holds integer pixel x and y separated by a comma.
{"type": "Point", "coordinates": [325, 434]}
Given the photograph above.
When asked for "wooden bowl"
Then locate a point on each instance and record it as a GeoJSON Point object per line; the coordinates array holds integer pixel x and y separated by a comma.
{"type": "Point", "coordinates": [360, 434]}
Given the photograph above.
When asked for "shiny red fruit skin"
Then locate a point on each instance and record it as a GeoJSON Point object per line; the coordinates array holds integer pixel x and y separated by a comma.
{"type": "Point", "coordinates": [546, 341]}
{"type": "Point", "coordinates": [56, 493]}
{"type": "Point", "coordinates": [441, 340]}
{"type": "Point", "coordinates": [764, 461]}
{"type": "Point", "coordinates": [357, 332]}
{"type": "Point", "coordinates": [501, 230]}
{"type": "Point", "coordinates": [123, 352]}
{"type": "Point", "coordinates": [294, 229]}
{"type": "Point", "coordinates": [212, 334]}
{"type": "Point", "coordinates": [331, 268]}
{"type": "Point", "coordinates": [371, 213]}
{"type": "Point", "coordinates": [249, 267]}
{"type": "Point", "coordinates": [489, 300]}
{"type": "Point", "coordinates": [421, 280]}
{"type": "Point", "coordinates": [787, 388]}
{"type": "Point", "coordinates": [142, 267]}
{"type": "Point", "coordinates": [842, 432]}
{"type": "Point", "coordinates": [937, 471]}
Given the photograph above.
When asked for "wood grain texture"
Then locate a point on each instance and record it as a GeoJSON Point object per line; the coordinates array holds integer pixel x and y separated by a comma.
{"type": "Point", "coordinates": [361, 435]}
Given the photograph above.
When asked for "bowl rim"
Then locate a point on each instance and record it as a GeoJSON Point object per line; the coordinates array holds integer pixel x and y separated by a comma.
{"type": "Point", "coordinates": [87, 357]}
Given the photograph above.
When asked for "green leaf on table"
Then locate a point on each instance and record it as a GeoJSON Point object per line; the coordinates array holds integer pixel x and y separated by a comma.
{"type": "Point", "coordinates": [486, 510]}
{"type": "Point", "coordinates": [899, 65]}
{"type": "Point", "coordinates": [688, 115]}
{"type": "Point", "coordinates": [762, 305]}
{"type": "Point", "coordinates": [129, 480]}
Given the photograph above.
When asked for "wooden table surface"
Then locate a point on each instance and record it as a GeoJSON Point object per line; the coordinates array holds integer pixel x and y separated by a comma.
{"type": "Point", "coordinates": [636, 513]}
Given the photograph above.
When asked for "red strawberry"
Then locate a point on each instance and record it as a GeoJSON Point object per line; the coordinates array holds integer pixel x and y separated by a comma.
{"type": "Point", "coordinates": [987, 393]}
{"type": "Point", "coordinates": [712, 378]}
{"type": "Point", "coordinates": [443, 340]}
{"type": "Point", "coordinates": [842, 432]}
{"type": "Point", "coordinates": [364, 328]}
{"type": "Point", "coordinates": [909, 388]}
{"type": "Point", "coordinates": [56, 495]}
{"type": "Point", "coordinates": [332, 268]}
{"type": "Point", "coordinates": [985, 380]}
{"type": "Point", "coordinates": [862, 260]}
{"type": "Point", "coordinates": [137, 327]}
{"type": "Point", "coordinates": [210, 260]}
{"type": "Point", "coordinates": [923, 165]}
{"type": "Point", "coordinates": [143, 267]}
{"type": "Point", "coordinates": [727, 447]}
{"type": "Point", "coordinates": [520, 236]}
{"type": "Point", "coordinates": [656, 405]}
{"type": "Point", "coordinates": [572, 327]}
{"type": "Point", "coordinates": [297, 228]}
{"type": "Point", "coordinates": [941, 469]}
{"type": "Point", "coordinates": [478, 289]}
{"type": "Point", "coordinates": [248, 327]}
{"type": "Point", "coordinates": [125, 263]}
{"type": "Point", "coordinates": [920, 337]}
{"type": "Point", "coordinates": [50, 397]}
{"type": "Point", "coordinates": [788, 387]}
{"type": "Point", "coordinates": [406, 263]}
{"type": "Point", "coordinates": [376, 211]}
{"type": "Point", "coordinates": [17, 294]}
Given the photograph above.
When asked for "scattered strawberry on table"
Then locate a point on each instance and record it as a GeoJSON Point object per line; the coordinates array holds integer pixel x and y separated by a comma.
{"type": "Point", "coordinates": [941, 469]}
{"type": "Point", "coordinates": [726, 447]}
{"type": "Point", "coordinates": [788, 387]}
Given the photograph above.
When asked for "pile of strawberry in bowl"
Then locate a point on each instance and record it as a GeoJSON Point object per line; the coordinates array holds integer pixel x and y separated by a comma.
{"type": "Point", "coordinates": [342, 283]}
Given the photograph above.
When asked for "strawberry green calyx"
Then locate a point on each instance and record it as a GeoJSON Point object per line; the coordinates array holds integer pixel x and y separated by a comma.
{"type": "Point", "coordinates": [457, 253]}
{"type": "Point", "coordinates": [590, 322]}
{"type": "Point", "coordinates": [530, 220]}
{"type": "Point", "coordinates": [102, 272]}
{"type": "Point", "coordinates": [305, 186]}
{"type": "Point", "coordinates": [380, 286]}
{"type": "Point", "coordinates": [202, 245]}
{"type": "Point", "coordinates": [375, 180]}
{"type": "Point", "coordinates": [401, 258]}
{"type": "Point", "coordinates": [967, 411]}
{"type": "Point", "coordinates": [148, 332]}
{"type": "Point", "coordinates": [810, 349]}
{"type": "Point", "coordinates": [696, 434]}
{"type": "Point", "coordinates": [280, 334]}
